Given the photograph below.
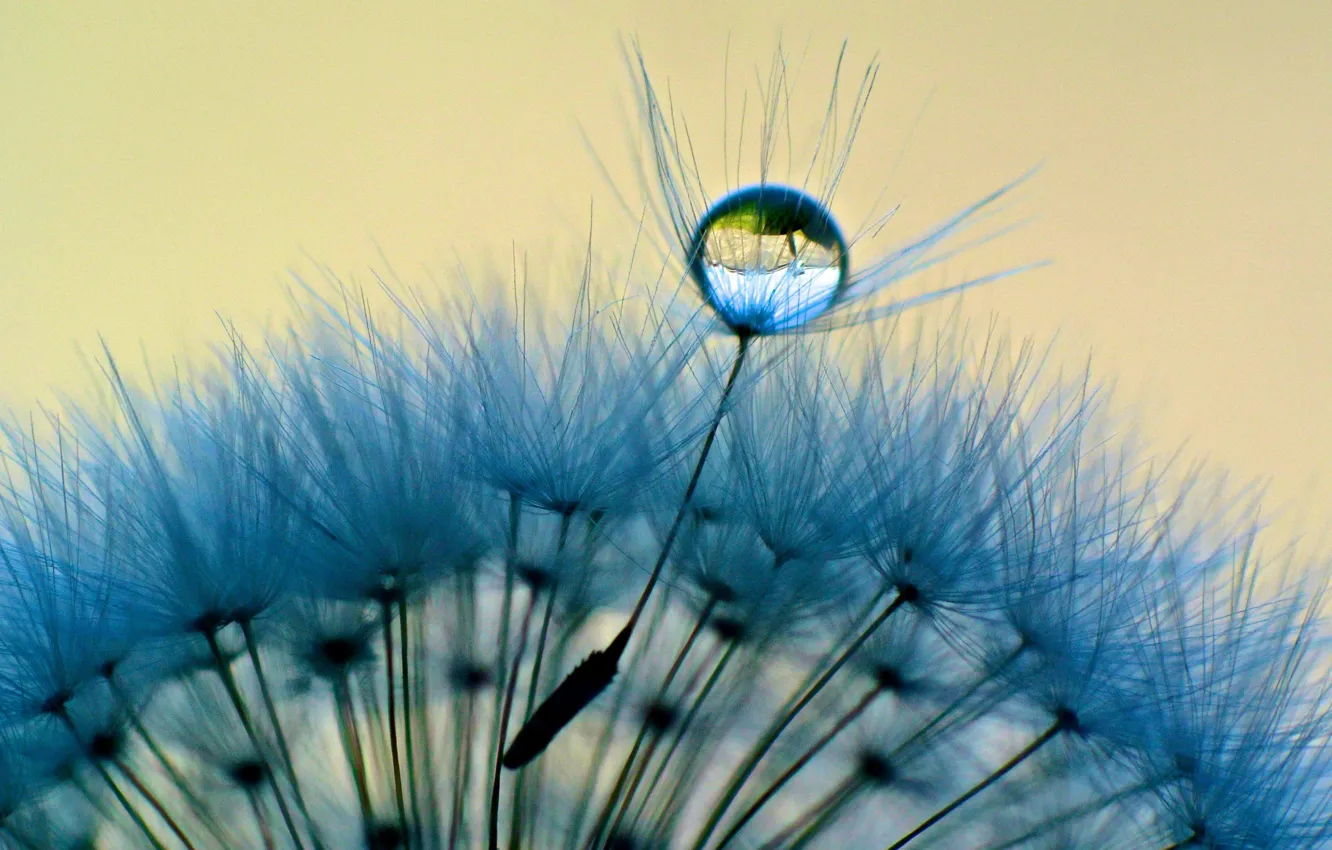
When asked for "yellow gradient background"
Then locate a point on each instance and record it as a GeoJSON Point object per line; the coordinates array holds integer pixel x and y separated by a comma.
{"type": "Point", "coordinates": [165, 162]}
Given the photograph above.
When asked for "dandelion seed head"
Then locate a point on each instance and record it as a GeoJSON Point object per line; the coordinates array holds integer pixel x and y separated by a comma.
{"type": "Point", "coordinates": [736, 578]}
{"type": "Point", "coordinates": [332, 637]}
{"type": "Point", "coordinates": [452, 574]}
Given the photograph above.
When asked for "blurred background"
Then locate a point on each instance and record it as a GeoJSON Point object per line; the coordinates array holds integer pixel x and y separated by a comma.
{"type": "Point", "coordinates": [164, 164]}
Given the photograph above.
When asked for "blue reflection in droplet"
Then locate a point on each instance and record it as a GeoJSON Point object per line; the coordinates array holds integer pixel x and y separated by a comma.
{"type": "Point", "coordinates": [768, 259]}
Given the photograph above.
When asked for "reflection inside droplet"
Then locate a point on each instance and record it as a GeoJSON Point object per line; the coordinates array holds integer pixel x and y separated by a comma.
{"type": "Point", "coordinates": [768, 259]}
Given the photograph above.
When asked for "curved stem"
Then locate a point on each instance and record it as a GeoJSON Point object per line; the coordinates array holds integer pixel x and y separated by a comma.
{"type": "Point", "coordinates": [110, 781]}
{"type": "Point", "coordinates": [679, 736]}
{"type": "Point", "coordinates": [223, 667]}
{"type": "Point", "coordinates": [284, 750]}
{"type": "Point", "coordinates": [1041, 740]}
{"type": "Point", "coordinates": [844, 721]}
{"type": "Point", "coordinates": [586, 682]}
{"type": "Point", "coordinates": [809, 824]}
{"type": "Point", "coordinates": [146, 793]}
{"type": "Point", "coordinates": [505, 713]}
{"type": "Point", "coordinates": [497, 733]}
{"type": "Point", "coordinates": [127, 806]}
{"type": "Point", "coordinates": [644, 726]}
{"type": "Point", "coordinates": [136, 723]}
{"type": "Point", "coordinates": [257, 808]}
{"type": "Point", "coordinates": [669, 540]}
{"type": "Point", "coordinates": [742, 774]}
{"type": "Point", "coordinates": [351, 746]}
{"type": "Point", "coordinates": [386, 616]}
{"type": "Point", "coordinates": [404, 657]}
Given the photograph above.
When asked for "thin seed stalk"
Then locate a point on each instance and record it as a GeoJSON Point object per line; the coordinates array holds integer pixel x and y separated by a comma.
{"type": "Point", "coordinates": [462, 733]}
{"type": "Point", "coordinates": [694, 478]}
{"type": "Point", "coordinates": [683, 729]}
{"type": "Point", "coordinates": [961, 699]}
{"type": "Point", "coordinates": [284, 749]}
{"type": "Point", "coordinates": [146, 793]}
{"type": "Point", "coordinates": [805, 758]}
{"type": "Point", "coordinates": [653, 742]}
{"type": "Point", "coordinates": [128, 807]}
{"type": "Point", "coordinates": [110, 781]}
{"type": "Point", "coordinates": [684, 778]}
{"type": "Point", "coordinates": [520, 790]}
{"type": "Point", "coordinates": [1059, 725]}
{"type": "Point", "coordinates": [680, 729]}
{"type": "Point", "coordinates": [374, 736]}
{"type": "Point", "coordinates": [237, 701]}
{"type": "Point", "coordinates": [509, 690]}
{"type": "Point", "coordinates": [810, 823]}
{"type": "Point", "coordinates": [462, 770]}
{"type": "Point", "coordinates": [404, 656]}
{"type": "Point", "coordinates": [351, 747]}
{"type": "Point", "coordinates": [742, 774]}
{"type": "Point", "coordinates": [498, 729]}
{"type": "Point", "coordinates": [429, 806]}
{"type": "Point", "coordinates": [586, 681]}
{"type": "Point", "coordinates": [1072, 815]}
{"type": "Point", "coordinates": [136, 723]}
{"type": "Point", "coordinates": [386, 616]}
{"type": "Point", "coordinates": [603, 743]}
{"type": "Point", "coordinates": [257, 809]}
{"type": "Point", "coordinates": [643, 727]}
{"type": "Point", "coordinates": [81, 785]}
{"type": "Point", "coordinates": [521, 785]}
{"type": "Point", "coordinates": [608, 807]}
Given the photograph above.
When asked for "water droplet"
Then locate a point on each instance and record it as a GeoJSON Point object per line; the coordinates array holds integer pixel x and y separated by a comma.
{"type": "Point", "coordinates": [768, 258]}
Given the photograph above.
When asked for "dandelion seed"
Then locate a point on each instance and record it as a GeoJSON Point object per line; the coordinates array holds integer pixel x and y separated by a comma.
{"type": "Point", "coordinates": [767, 259]}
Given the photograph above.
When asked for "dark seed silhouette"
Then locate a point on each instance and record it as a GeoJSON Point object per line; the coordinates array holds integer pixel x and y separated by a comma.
{"type": "Point", "coordinates": [584, 684]}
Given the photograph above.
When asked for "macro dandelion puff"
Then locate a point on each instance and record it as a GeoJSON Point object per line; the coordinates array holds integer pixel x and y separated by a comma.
{"type": "Point", "coordinates": [63, 627]}
{"type": "Point", "coordinates": [1238, 747]}
{"type": "Point", "coordinates": [767, 259]}
{"type": "Point", "coordinates": [775, 567]}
